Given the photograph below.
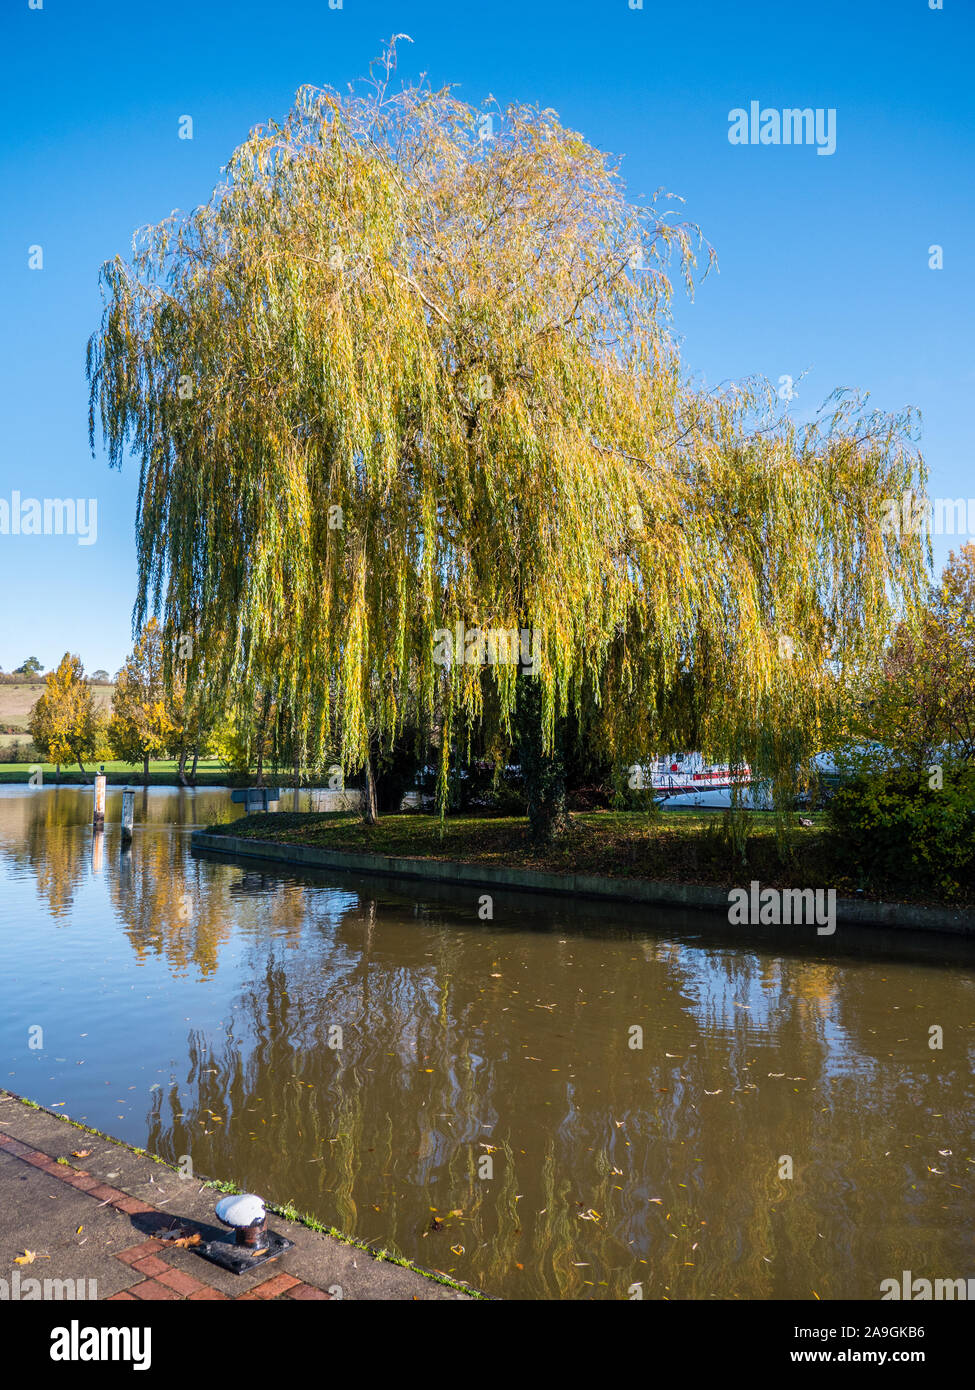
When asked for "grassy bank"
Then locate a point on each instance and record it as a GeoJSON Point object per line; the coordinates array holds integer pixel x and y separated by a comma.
{"type": "Point", "coordinates": [679, 846]}
{"type": "Point", "coordinates": [162, 773]}
{"type": "Point", "coordinates": [683, 846]}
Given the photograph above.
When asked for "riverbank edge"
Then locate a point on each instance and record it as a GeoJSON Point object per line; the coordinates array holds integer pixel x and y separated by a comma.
{"type": "Point", "coordinates": [286, 1213]}
{"type": "Point", "coordinates": [651, 892]}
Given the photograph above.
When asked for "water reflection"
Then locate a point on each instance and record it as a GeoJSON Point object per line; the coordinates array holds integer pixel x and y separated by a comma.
{"type": "Point", "coordinates": [469, 1093]}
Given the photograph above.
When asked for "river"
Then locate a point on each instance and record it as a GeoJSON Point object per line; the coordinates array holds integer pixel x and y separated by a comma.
{"type": "Point", "coordinates": [572, 1100]}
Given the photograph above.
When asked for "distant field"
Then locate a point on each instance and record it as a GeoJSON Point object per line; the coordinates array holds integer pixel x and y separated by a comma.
{"type": "Point", "coordinates": [17, 700]}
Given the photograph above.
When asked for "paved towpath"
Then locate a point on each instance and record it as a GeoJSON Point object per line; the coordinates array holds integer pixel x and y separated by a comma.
{"type": "Point", "coordinates": [105, 1217]}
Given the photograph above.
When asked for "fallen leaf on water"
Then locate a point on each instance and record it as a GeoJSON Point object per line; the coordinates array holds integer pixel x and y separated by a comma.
{"type": "Point", "coordinates": [713, 1093]}
{"type": "Point", "coordinates": [79, 1230]}
{"type": "Point", "coordinates": [458, 1212]}
{"type": "Point", "coordinates": [27, 1258]}
{"type": "Point", "coordinates": [457, 1250]}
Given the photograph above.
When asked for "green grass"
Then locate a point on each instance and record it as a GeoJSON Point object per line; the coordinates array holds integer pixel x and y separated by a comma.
{"type": "Point", "coordinates": [162, 773]}
{"type": "Point", "coordinates": [677, 846]}
{"type": "Point", "coordinates": [685, 846]}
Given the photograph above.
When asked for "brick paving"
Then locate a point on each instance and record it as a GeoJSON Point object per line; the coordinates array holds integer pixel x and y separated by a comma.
{"type": "Point", "coordinates": [156, 1278]}
{"type": "Point", "coordinates": [77, 1221]}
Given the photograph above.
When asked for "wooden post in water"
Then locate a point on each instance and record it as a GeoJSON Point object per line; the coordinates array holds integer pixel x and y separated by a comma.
{"type": "Point", "coordinates": [98, 818]}
{"type": "Point", "coordinates": [128, 815]}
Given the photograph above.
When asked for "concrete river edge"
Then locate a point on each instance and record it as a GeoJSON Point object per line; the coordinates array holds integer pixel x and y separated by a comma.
{"type": "Point", "coordinates": [105, 1228]}
{"type": "Point", "coordinates": [656, 892]}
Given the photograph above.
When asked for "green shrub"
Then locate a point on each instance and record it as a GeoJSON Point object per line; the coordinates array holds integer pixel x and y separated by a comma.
{"type": "Point", "coordinates": [893, 828]}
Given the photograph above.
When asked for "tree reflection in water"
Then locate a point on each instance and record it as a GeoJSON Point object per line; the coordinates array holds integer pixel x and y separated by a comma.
{"type": "Point", "coordinates": [613, 1167]}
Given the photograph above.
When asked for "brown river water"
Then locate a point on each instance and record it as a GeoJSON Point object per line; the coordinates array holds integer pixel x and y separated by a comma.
{"type": "Point", "coordinates": [470, 1094]}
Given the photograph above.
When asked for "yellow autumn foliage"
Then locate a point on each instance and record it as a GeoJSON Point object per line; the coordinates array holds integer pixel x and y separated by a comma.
{"type": "Point", "coordinates": [395, 376]}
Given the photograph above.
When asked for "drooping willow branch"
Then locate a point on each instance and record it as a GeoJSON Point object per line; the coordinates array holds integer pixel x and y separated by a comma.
{"type": "Point", "coordinates": [395, 376]}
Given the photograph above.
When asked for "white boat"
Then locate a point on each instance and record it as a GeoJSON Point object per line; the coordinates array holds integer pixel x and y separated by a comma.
{"type": "Point", "coordinates": [685, 779]}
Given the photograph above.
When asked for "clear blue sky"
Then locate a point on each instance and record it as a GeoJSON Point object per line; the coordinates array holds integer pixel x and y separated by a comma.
{"type": "Point", "coordinates": [823, 259]}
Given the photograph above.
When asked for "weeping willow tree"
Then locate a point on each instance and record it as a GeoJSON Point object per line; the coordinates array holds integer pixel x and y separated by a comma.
{"type": "Point", "coordinates": [410, 371]}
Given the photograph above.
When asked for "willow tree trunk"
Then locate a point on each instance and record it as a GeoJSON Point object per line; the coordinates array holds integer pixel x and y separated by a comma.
{"type": "Point", "coordinates": [145, 769]}
{"type": "Point", "coordinates": [181, 770]}
{"type": "Point", "coordinates": [370, 810]}
{"type": "Point", "coordinates": [543, 772]}
{"type": "Point", "coordinates": [196, 754]}
{"type": "Point", "coordinates": [262, 735]}
{"type": "Point", "coordinates": [548, 813]}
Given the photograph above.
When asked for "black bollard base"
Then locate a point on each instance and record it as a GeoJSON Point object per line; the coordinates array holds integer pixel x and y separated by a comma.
{"type": "Point", "coordinates": [240, 1258]}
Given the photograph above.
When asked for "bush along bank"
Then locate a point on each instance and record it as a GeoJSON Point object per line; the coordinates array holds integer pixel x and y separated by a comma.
{"type": "Point", "coordinates": [908, 830]}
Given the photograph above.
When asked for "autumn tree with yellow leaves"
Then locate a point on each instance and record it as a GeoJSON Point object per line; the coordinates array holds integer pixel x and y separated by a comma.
{"type": "Point", "coordinates": [921, 705]}
{"type": "Point", "coordinates": [141, 726]}
{"type": "Point", "coordinates": [63, 721]}
{"type": "Point", "coordinates": [411, 370]}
